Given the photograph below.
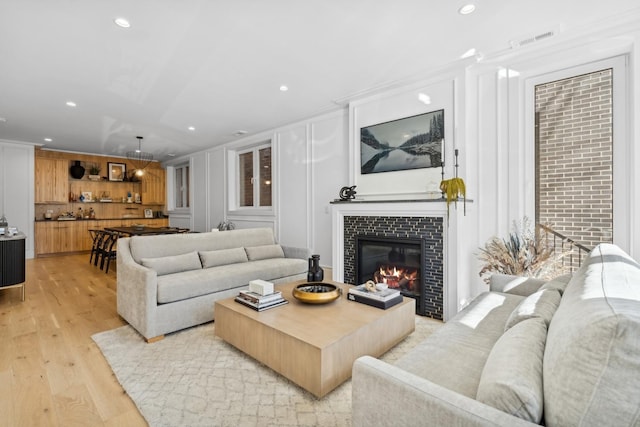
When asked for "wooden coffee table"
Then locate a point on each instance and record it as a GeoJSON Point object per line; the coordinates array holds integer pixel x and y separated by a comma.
{"type": "Point", "coordinates": [313, 345]}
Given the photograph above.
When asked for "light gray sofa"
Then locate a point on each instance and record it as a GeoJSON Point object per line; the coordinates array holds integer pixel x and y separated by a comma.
{"type": "Point", "coordinates": [568, 354]}
{"type": "Point", "coordinates": [170, 282]}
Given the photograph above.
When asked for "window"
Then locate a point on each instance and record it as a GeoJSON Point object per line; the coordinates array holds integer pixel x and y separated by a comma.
{"type": "Point", "coordinates": [181, 183]}
{"type": "Point", "coordinates": [254, 177]}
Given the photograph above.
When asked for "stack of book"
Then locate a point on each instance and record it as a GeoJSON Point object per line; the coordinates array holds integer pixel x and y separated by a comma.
{"type": "Point", "coordinates": [382, 298]}
{"type": "Point", "coordinates": [261, 302]}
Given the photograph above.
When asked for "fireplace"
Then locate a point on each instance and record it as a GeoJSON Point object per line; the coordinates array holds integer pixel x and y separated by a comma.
{"type": "Point", "coordinates": [398, 262]}
{"type": "Point", "coordinates": [419, 239]}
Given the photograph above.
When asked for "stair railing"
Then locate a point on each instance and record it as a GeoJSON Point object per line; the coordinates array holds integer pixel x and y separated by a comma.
{"type": "Point", "coordinates": [563, 243]}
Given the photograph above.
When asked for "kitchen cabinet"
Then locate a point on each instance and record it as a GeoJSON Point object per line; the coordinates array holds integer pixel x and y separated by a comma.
{"type": "Point", "coordinates": [153, 187]}
{"type": "Point", "coordinates": [51, 180]}
{"type": "Point", "coordinates": [59, 237]}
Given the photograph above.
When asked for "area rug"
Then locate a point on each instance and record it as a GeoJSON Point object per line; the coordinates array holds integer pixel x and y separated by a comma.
{"type": "Point", "coordinates": [193, 378]}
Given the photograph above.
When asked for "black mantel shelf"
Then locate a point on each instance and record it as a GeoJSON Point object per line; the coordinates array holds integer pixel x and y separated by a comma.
{"type": "Point", "coordinates": [440, 200]}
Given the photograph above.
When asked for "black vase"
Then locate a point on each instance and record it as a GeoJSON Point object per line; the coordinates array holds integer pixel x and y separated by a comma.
{"type": "Point", "coordinates": [315, 273]}
{"type": "Point", "coordinates": [76, 171]}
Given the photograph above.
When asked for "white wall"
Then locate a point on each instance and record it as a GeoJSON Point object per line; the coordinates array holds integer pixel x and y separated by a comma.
{"type": "Point", "coordinates": [491, 127]}
{"type": "Point", "coordinates": [216, 195]}
{"type": "Point", "coordinates": [500, 131]}
{"type": "Point", "coordinates": [17, 188]}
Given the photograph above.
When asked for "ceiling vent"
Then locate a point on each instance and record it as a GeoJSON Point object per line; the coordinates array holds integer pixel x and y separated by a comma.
{"type": "Point", "coordinates": [524, 41]}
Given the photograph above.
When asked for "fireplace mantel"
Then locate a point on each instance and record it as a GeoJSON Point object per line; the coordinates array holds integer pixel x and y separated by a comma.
{"type": "Point", "coordinates": [399, 208]}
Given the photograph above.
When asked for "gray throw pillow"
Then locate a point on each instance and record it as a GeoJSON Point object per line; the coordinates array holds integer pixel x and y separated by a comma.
{"type": "Point", "coordinates": [256, 253]}
{"type": "Point", "coordinates": [222, 257]}
{"type": "Point", "coordinates": [543, 304]}
{"type": "Point", "coordinates": [511, 379]}
{"type": "Point", "coordinates": [173, 264]}
{"type": "Point", "coordinates": [559, 283]}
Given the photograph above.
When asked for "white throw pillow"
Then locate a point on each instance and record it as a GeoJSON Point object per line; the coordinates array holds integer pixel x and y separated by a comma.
{"type": "Point", "coordinates": [222, 257]}
{"type": "Point", "coordinates": [511, 379]}
{"type": "Point", "coordinates": [256, 253]}
{"type": "Point", "coordinates": [173, 264]}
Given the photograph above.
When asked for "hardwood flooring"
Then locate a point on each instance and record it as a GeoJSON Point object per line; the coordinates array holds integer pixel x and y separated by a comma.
{"type": "Point", "coordinates": [51, 371]}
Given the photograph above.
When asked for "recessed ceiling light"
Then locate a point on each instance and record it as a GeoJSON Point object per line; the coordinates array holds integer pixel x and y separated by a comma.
{"type": "Point", "coordinates": [171, 155]}
{"type": "Point", "coordinates": [71, 104]}
{"type": "Point", "coordinates": [48, 139]}
{"type": "Point", "coordinates": [191, 128]}
{"type": "Point", "coordinates": [240, 133]}
{"type": "Point", "coordinates": [467, 9]}
{"type": "Point", "coordinates": [121, 22]}
{"type": "Point", "coordinates": [284, 88]}
{"type": "Point", "coordinates": [3, 120]}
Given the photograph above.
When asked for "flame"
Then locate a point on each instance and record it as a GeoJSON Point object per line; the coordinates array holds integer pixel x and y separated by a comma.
{"type": "Point", "coordinates": [396, 277]}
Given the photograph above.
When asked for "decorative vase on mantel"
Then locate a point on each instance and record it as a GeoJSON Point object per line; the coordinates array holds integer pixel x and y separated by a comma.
{"type": "Point", "coordinates": [77, 170]}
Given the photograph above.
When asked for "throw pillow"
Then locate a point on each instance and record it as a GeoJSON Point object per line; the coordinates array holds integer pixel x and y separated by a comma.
{"type": "Point", "coordinates": [559, 283]}
{"type": "Point", "coordinates": [222, 257]}
{"type": "Point", "coordinates": [541, 304]}
{"type": "Point", "coordinates": [256, 253]}
{"type": "Point", "coordinates": [511, 379]}
{"type": "Point", "coordinates": [173, 264]}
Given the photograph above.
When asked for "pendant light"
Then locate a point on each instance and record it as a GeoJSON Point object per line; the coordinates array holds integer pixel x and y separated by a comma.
{"type": "Point", "coordinates": [139, 158]}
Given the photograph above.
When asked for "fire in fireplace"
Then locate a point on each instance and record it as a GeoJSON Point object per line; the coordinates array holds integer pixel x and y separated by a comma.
{"type": "Point", "coordinates": [399, 277]}
{"type": "Point", "coordinates": [396, 261]}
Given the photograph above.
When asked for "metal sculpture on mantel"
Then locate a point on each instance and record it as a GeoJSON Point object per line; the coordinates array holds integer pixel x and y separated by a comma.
{"type": "Point", "coordinates": [348, 193]}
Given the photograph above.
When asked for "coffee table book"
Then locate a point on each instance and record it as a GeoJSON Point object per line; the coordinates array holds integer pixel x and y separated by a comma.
{"type": "Point", "coordinates": [261, 307]}
{"type": "Point", "coordinates": [257, 298]}
{"type": "Point", "coordinates": [383, 295]}
{"type": "Point", "coordinates": [375, 302]}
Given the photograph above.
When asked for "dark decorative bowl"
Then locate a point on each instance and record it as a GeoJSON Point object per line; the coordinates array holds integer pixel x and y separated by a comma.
{"type": "Point", "coordinates": [317, 293]}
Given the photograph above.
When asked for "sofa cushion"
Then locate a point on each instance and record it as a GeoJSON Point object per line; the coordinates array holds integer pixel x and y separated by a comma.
{"type": "Point", "coordinates": [517, 285]}
{"type": "Point", "coordinates": [189, 284]}
{"type": "Point", "coordinates": [222, 257]}
{"type": "Point", "coordinates": [256, 253]}
{"type": "Point", "coordinates": [454, 355]}
{"type": "Point", "coordinates": [542, 304]}
{"type": "Point", "coordinates": [173, 264]}
{"type": "Point", "coordinates": [559, 283]}
{"type": "Point", "coordinates": [591, 363]}
{"type": "Point", "coordinates": [172, 244]}
{"type": "Point", "coordinates": [511, 380]}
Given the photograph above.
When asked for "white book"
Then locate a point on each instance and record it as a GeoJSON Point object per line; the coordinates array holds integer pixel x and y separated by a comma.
{"type": "Point", "coordinates": [383, 295]}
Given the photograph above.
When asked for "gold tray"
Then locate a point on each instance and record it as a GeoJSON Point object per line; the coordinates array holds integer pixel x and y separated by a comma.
{"type": "Point", "coordinates": [316, 293]}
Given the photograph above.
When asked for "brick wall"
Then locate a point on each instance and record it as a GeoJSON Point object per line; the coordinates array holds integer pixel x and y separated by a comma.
{"type": "Point", "coordinates": [574, 157]}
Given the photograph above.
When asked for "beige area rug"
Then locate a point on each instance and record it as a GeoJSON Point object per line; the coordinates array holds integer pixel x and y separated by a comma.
{"type": "Point", "coordinates": [193, 378]}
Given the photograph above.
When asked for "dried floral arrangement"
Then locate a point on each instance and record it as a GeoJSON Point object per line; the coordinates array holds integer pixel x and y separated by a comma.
{"type": "Point", "coordinates": [523, 253]}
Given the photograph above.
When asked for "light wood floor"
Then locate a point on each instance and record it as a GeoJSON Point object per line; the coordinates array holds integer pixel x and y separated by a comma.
{"type": "Point", "coordinates": [51, 371]}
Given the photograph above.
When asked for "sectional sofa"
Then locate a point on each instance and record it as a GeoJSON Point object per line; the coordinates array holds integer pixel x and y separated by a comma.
{"type": "Point", "coordinates": [528, 352]}
{"type": "Point", "coordinates": [170, 282]}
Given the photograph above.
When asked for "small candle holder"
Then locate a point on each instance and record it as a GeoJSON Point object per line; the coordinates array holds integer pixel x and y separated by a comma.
{"type": "Point", "coordinates": [442, 175]}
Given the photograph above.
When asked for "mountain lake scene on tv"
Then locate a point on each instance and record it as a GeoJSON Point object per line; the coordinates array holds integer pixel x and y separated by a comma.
{"type": "Point", "coordinates": [410, 143]}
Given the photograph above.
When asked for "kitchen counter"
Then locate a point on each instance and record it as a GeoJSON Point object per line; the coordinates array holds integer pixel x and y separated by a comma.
{"type": "Point", "coordinates": [98, 219]}
{"type": "Point", "coordinates": [53, 237]}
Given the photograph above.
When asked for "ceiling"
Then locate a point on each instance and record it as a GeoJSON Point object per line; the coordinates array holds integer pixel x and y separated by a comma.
{"type": "Point", "coordinates": [218, 65]}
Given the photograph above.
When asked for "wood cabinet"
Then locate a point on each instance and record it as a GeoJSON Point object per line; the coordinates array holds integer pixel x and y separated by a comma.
{"type": "Point", "coordinates": [59, 237]}
{"type": "Point", "coordinates": [153, 187]}
{"type": "Point", "coordinates": [52, 182]}
{"type": "Point", "coordinates": [55, 187]}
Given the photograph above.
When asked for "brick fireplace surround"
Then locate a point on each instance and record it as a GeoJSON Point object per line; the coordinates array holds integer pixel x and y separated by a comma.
{"type": "Point", "coordinates": [412, 219]}
{"type": "Point", "coordinates": [426, 228]}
